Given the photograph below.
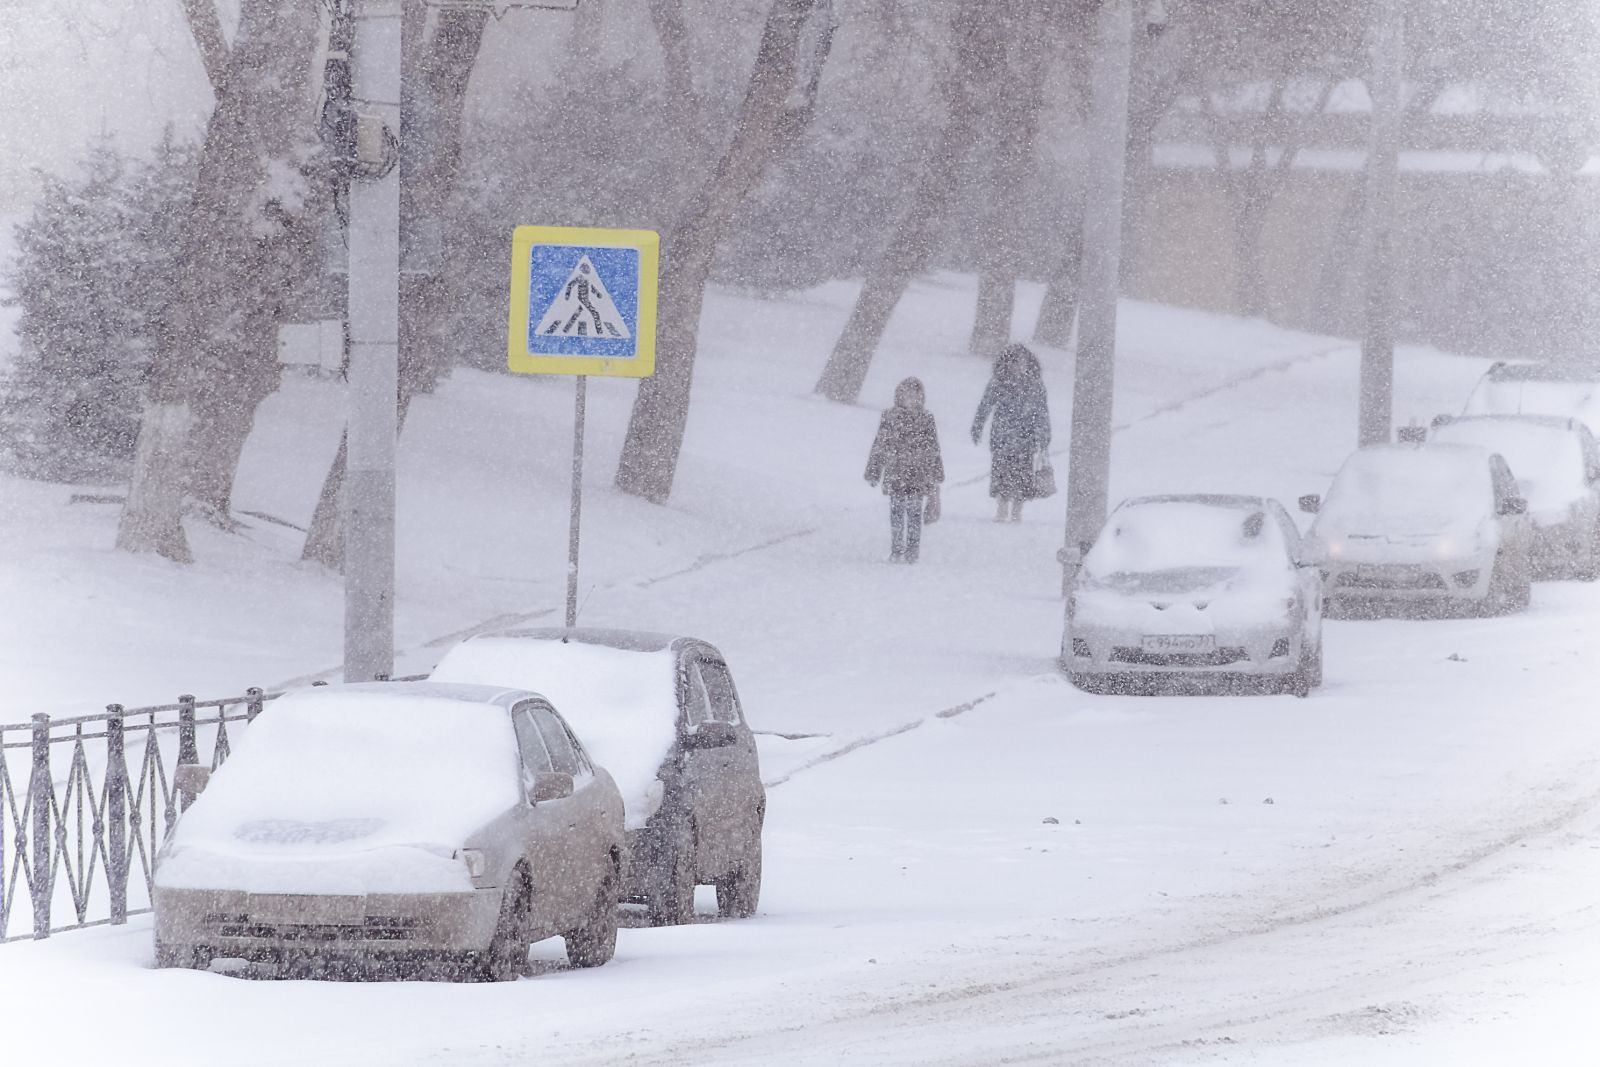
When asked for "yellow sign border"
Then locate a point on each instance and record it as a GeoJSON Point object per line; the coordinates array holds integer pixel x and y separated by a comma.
{"type": "Point", "coordinates": [641, 365]}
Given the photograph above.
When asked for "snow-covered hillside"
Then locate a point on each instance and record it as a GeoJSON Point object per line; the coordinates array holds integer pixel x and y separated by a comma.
{"type": "Point", "coordinates": [968, 861]}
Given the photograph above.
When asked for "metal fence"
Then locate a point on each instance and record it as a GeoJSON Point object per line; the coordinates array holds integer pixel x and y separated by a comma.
{"type": "Point", "coordinates": [86, 802]}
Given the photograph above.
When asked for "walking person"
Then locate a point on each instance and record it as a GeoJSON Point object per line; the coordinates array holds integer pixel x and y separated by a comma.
{"type": "Point", "coordinates": [1018, 412]}
{"type": "Point", "coordinates": [905, 459]}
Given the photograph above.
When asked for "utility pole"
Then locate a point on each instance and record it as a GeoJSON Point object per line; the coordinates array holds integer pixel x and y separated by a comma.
{"type": "Point", "coordinates": [374, 316]}
{"type": "Point", "coordinates": [1089, 461]}
{"type": "Point", "coordinates": [1384, 85]}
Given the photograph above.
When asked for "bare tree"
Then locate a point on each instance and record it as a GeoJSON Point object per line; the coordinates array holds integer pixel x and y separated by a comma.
{"type": "Point", "coordinates": [1013, 133]}
{"type": "Point", "coordinates": [980, 49]}
{"type": "Point", "coordinates": [776, 110]}
{"type": "Point", "coordinates": [236, 238]}
{"type": "Point", "coordinates": [438, 66]}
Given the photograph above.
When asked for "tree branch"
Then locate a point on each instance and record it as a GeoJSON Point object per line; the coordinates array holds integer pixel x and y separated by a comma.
{"type": "Point", "coordinates": [206, 27]}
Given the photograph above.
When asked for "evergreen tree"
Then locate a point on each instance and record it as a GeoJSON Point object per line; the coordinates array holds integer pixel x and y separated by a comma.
{"type": "Point", "coordinates": [91, 278]}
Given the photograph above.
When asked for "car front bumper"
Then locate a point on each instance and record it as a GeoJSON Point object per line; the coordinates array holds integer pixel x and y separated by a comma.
{"type": "Point", "coordinates": [1464, 579]}
{"type": "Point", "coordinates": [256, 926]}
{"type": "Point", "coordinates": [1267, 652]}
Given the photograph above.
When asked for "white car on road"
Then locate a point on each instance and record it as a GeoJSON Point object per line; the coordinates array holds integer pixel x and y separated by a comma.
{"type": "Point", "coordinates": [1195, 585]}
{"type": "Point", "coordinates": [1556, 463]}
{"type": "Point", "coordinates": [1427, 526]}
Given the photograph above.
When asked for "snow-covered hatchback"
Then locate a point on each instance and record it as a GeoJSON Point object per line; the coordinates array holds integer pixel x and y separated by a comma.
{"type": "Point", "coordinates": [660, 711]}
{"type": "Point", "coordinates": [1424, 525]}
{"type": "Point", "coordinates": [1195, 585]}
{"type": "Point", "coordinates": [396, 821]}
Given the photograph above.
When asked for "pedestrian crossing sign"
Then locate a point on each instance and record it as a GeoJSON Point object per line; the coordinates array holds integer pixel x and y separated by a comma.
{"type": "Point", "coordinates": [583, 301]}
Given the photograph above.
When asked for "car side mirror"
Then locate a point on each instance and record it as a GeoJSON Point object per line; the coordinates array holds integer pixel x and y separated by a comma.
{"type": "Point", "coordinates": [711, 735]}
{"type": "Point", "coordinates": [1311, 503]}
{"type": "Point", "coordinates": [549, 785]}
{"type": "Point", "coordinates": [1514, 505]}
{"type": "Point", "coordinates": [191, 779]}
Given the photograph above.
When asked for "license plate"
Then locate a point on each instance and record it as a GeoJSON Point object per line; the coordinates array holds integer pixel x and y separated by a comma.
{"type": "Point", "coordinates": [1179, 643]}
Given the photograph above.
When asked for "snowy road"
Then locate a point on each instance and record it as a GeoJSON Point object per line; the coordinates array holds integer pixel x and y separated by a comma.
{"type": "Point", "coordinates": [1395, 870]}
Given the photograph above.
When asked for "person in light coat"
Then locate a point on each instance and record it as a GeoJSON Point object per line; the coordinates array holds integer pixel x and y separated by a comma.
{"type": "Point", "coordinates": [905, 459]}
{"type": "Point", "coordinates": [1018, 412]}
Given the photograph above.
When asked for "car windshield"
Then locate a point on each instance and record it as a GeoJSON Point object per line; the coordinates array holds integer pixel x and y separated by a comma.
{"type": "Point", "coordinates": [1547, 461]}
{"type": "Point", "coordinates": [1398, 491]}
{"type": "Point", "coordinates": [360, 770]}
{"type": "Point", "coordinates": [622, 704]}
{"type": "Point", "coordinates": [1529, 397]}
{"type": "Point", "coordinates": [1179, 545]}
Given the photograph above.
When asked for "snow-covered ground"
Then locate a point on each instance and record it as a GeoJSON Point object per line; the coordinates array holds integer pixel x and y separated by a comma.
{"type": "Point", "coordinates": [1398, 870]}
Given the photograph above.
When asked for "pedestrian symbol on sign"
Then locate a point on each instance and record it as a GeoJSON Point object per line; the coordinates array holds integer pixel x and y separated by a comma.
{"type": "Point", "coordinates": [581, 301]}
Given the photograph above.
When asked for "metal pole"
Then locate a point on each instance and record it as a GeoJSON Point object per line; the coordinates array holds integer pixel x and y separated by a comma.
{"type": "Point", "coordinates": [1089, 461]}
{"type": "Point", "coordinates": [116, 816]}
{"type": "Point", "coordinates": [1382, 177]}
{"type": "Point", "coordinates": [374, 299]}
{"type": "Point", "coordinates": [41, 883]}
{"type": "Point", "coordinates": [577, 499]}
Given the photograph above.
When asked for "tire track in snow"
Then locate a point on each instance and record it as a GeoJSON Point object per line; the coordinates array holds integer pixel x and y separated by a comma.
{"type": "Point", "coordinates": [1033, 1001]}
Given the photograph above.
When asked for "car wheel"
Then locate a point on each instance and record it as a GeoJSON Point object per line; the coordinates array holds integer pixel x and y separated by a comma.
{"type": "Point", "coordinates": [183, 957]}
{"type": "Point", "coordinates": [739, 892]}
{"type": "Point", "coordinates": [670, 881]}
{"type": "Point", "coordinates": [595, 942]}
{"type": "Point", "coordinates": [507, 955]}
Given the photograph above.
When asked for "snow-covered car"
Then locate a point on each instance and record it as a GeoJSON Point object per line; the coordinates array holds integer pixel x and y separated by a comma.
{"type": "Point", "coordinates": [1556, 463]}
{"type": "Point", "coordinates": [1566, 388]}
{"type": "Point", "coordinates": [662, 714]}
{"type": "Point", "coordinates": [1195, 585]}
{"type": "Point", "coordinates": [396, 821]}
{"type": "Point", "coordinates": [1430, 525]}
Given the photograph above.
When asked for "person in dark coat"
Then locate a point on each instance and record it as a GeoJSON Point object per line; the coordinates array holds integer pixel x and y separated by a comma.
{"type": "Point", "coordinates": [905, 458]}
{"type": "Point", "coordinates": [1019, 430]}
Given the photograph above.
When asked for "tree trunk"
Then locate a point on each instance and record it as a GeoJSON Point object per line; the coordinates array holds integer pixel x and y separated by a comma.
{"type": "Point", "coordinates": [1016, 124]}
{"type": "Point", "coordinates": [766, 124]}
{"type": "Point", "coordinates": [433, 96]}
{"type": "Point", "coordinates": [979, 52]}
{"type": "Point", "coordinates": [244, 201]}
{"type": "Point", "coordinates": [1060, 308]}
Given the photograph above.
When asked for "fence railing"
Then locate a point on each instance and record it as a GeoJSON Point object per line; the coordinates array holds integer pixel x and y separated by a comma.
{"type": "Point", "coordinates": [86, 802]}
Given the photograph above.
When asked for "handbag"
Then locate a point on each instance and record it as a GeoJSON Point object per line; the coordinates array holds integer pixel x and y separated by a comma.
{"type": "Point", "coordinates": [1043, 482]}
{"type": "Point", "coordinates": [930, 510]}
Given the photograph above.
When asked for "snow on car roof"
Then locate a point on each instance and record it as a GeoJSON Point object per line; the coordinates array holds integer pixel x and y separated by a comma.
{"type": "Point", "coordinates": [621, 699]}
{"type": "Point", "coordinates": [630, 640]}
{"type": "Point", "coordinates": [1159, 533]}
{"type": "Point", "coordinates": [392, 763]}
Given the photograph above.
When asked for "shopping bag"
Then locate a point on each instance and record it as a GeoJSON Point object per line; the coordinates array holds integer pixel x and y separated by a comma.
{"type": "Point", "coordinates": [930, 510]}
{"type": "Point", "coordinates": [1044, 481]}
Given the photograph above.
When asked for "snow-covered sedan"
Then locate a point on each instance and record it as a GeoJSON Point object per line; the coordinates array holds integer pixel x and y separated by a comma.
{"type": "Point", "coordinates": [1556, 463]}
{"type": "Point", "coordinates": [1195, 585]}
{"type": "Point", "coordinates": [396, 821]}
{"type": "Point", "coordinates": [1424, 525]}
{"type": "Point", "coordinates": [662, 714]}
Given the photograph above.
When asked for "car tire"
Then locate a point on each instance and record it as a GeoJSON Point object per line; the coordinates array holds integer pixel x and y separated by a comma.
{"type": "Point", "coordinates": [1505, 588]}
{"type": "Point", "coordinates": [181, 957]}
{"type": "Point", "coordinates": [506, 958]}
{"type": "Point", "coordinates": [670, 880]}
{"type": "Point", "coordinates": [739, 891]}
{"type": "Point", "coordinates": [595, 942]}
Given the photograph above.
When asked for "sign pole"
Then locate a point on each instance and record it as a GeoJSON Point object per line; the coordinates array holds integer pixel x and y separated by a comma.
{"type": "Point", "coordinates": [581, 401]}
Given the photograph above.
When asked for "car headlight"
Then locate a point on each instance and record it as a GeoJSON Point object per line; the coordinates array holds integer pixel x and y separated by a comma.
{"type": "Point", "coordinates": [477, 863]}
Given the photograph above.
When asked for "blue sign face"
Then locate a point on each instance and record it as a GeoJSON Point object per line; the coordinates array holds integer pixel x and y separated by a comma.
{"type": "Point", "coordinates": [583, 301]}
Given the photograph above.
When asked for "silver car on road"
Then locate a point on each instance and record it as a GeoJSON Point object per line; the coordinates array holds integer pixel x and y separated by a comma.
{"type": "Point", "coordinates": [396, 822]}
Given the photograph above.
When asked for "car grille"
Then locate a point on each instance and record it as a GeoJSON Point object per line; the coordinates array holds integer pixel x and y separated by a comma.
{"type": "Point", "coordinates": [373, 928]}
{"type": "Point", "coordinates": [1392, 580]}
{"type": "Point", "coordinates": [1220, 658]}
